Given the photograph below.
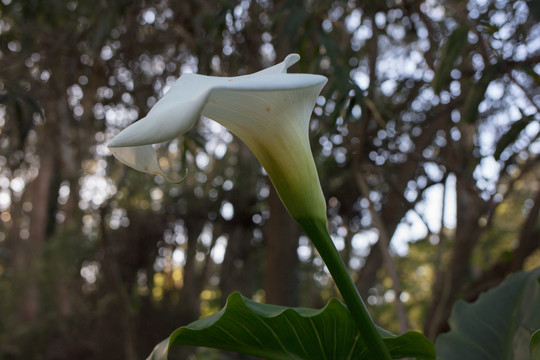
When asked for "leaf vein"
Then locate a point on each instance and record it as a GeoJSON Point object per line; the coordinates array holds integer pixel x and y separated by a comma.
{"type": "Point", "coordinates": [248, 331]}
{"type": "Point", "coordinates": [297, 336]}
{"type": "Point", "coordinates": [353, 347]}
{"type": "Point", "coordinates": [318, 338]}
{"type": "Point", "coordinates": [275, 336]}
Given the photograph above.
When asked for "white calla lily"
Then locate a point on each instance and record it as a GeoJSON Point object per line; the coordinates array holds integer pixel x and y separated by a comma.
{"type": "Point", "coordinates": [268, 110]}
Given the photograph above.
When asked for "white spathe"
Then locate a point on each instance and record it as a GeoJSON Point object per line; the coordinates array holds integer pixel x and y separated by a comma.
{"type": "Point", "coordinates": [268, 110]}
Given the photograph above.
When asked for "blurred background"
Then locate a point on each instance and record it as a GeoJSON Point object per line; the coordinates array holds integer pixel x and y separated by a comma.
{"type": "Point", "coordinates": [426, 139]}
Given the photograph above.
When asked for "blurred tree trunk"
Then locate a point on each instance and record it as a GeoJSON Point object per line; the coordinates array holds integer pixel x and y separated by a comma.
{"type": "Point", "coordinates": [470, 207]}
{"type": "Point", "coordinates": [30, 250]}
{"type": "Point", "coordinates": [281, 258]}
{"type": "Point", "coordinates": [116, 285]}
{"type": "Point", "coordinates": [236, 274]}
{"type": "Point", "coordinates": [394, 208]}
{"type": "Point", "coordinates": [529, 242]}
{"type": "Point", "coordinates": [190, 293]}
{"type": "Point", "coordinates": [238, 269]}
{"type": "Point", "coordinates": [457, 280]}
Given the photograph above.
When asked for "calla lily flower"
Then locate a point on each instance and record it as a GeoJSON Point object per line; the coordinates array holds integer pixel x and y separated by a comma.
{"type": "Point", "coordinates": [268, 110]}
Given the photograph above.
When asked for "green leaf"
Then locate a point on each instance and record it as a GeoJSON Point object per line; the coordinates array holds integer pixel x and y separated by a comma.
{"type": "Point", "coordinates": [534, 8]}
{"type": "Point", "coordinates": [160, 351]}
{"type": "Point", "coordinates": [509, 137]}
{"type": "Point", "coordinates": [276, 332]}
{"type": "Point", "coordinates": [476, 94]}
{"type": "Point", "coordinates": [498, 325]}
{"type": "Point", "coordinates": [534, 345]}
{"type": "Point", "coordinates": [449, 54]}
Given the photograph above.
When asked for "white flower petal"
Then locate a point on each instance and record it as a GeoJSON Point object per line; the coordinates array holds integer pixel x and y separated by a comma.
{"type": "Point", "coordinates": [268, 110]}
{"type": "Point", "coordinates": [268, 82]}
{"type": "Point", "coordinates": [171, 116]}
{"type": "Point", "coordinates": [282, 67]}
{"type": "Point", "coordinates": [142, 158]}
{"type": "Point", "coordinates": [274, 124]}
{"type": "Point", "coordinates": [180, 108]}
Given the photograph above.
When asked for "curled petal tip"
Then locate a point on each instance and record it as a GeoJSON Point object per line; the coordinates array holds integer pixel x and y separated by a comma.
{"type": "Point", "coordinates": [176, 182]}
{"type": "Point", "coordinates": [291, 59]}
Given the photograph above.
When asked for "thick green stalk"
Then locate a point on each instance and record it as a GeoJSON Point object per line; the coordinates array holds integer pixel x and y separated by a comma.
{"type": "Point", "coordinates": [316, 230]}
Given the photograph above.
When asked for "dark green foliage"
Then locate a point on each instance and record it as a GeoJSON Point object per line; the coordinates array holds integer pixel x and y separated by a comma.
{"type": "Point", "coordinates": [450, 52]}
{"type": "Point", "coordinates": [276, 332]}
{"type": "Point", "coordinates": [510, 136]}
{"type": "Point", "coordinates": [476, 93]}
{"type": "Point", "coordinates": [535, 345]}
{"type": "Point", "coordinates": [499, 325]}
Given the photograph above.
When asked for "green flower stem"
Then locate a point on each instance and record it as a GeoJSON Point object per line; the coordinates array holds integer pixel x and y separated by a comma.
{"type": "Point", "coordinates": [316, 230]}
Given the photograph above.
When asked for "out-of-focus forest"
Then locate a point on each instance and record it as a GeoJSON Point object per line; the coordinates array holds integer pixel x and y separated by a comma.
{"type": "Point", "coordinates": [426, 139]}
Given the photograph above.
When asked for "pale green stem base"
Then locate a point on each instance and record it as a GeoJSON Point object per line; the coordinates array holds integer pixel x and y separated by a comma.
{"type": "Point", "coordinates": [316, 230]}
